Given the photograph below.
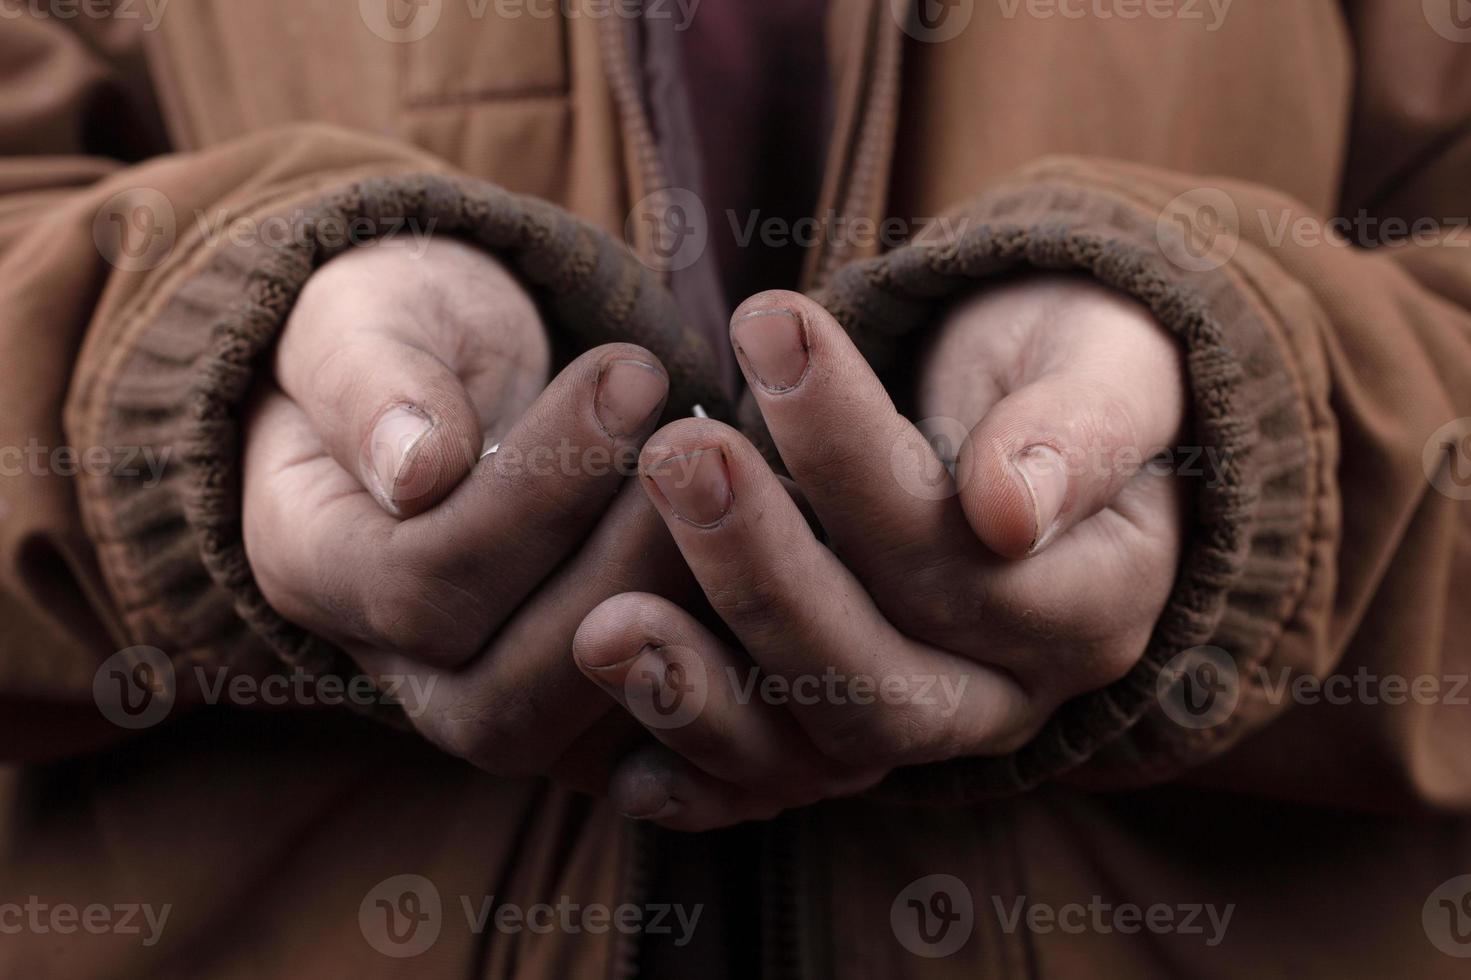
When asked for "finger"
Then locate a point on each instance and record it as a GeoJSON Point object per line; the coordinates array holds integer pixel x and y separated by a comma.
{"type": "Point", "coordinates": [532, 503]}
{"type": "Point", "coordinates": [402, 390]}
{"type": "Point", "coordinates": [872, 478]}
{"type": "Point", "coordinates": [655, 785]}
{"type": "Point", "coordinates": [702, 701]}
{"type": "Point", "coordinates": [391, 413]}
{"type": "Point", "coordinates": [307, 525]}
{"type": "Point", "coordinates": [521, 705]}
{"type": "Point", "coordinates": [590, 761]}
{"type": "Point", "coordinates": [437, 586]}
{"type": "Point", "coordinates": [1057, 450]}
{"type": "Point", "coordinates": [799, 611]}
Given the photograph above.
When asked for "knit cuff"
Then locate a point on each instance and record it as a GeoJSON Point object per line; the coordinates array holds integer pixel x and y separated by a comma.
{"type": "Point", "coordinates": [175, 547]}
{"type": "Point", "coordinates": [1248, 529]}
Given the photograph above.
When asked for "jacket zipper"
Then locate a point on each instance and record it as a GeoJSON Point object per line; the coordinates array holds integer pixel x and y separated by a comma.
{"type": "Point", "coordinates": [623, 78]}
{"type": "Point", "coordinates": [615, 44]}
{"type": "Point", "coordinates": [783, 904]}
{"type": "Point", "coordinates": [870, 146]}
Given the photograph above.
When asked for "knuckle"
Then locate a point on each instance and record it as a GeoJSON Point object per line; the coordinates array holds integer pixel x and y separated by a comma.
{"type": "Point", "coordinates": [866, 739]}
{"type": "Point", "coordinates": [497, 738]}
{"type": "Point", "coordinates": [428, 619]}
{"type": "Point", "coordinates": [762, 599]}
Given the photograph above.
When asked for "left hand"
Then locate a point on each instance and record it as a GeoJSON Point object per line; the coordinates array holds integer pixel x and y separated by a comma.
{"type": "Point", "coordinates": [945, 617]}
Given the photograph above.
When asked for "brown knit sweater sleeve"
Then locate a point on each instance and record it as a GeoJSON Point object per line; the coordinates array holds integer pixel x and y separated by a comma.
{"type": "Point", "coordinates": [1325, 384]}
{"type": "Point", "coordinates": [142, 307]}
{"type": "Point", "coordinates": [175, 551]}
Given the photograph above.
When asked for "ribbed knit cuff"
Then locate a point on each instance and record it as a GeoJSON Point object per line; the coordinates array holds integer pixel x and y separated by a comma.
{"type": "Point", "coordinates": [1247, 529]}
{"type": "Point", "coordinates": [178, 544]}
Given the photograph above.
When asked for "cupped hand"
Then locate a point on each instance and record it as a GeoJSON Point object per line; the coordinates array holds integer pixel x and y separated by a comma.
{"type": "Point", "coordinates": [941, 616]}
{"type": "Point", "coordinates": [371, 518]}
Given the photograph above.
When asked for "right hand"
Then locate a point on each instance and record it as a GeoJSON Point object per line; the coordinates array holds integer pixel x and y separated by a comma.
{"type": "Point", "coordinates": [371, 519]}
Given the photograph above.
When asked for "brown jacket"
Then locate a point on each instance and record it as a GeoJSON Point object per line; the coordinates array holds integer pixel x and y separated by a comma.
{"type": "Point", "coordinates": [1187, 158]}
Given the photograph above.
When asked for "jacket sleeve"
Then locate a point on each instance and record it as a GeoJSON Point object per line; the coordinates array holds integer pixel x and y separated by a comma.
{"type": "Point", "coordinates": [138, 303]}
{"type": "Point", "coordinates": [1314, 647]}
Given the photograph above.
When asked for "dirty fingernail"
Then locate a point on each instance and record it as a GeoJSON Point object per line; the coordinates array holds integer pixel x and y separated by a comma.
{"type": "Point", "coordinates": [643, 794]}
{"type": "Point", "coordinates": [697, 486]}
{"type": "Point", "coordinates": [1045, 479]}
{"type": "Point", "coordinates": [395, 436]}
{"type": "Point", "coordinates": [629, 396]}
{"type": "Point", "coordinates": [774, 346]}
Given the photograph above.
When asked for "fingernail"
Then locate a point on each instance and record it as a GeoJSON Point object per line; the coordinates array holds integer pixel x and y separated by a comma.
{"type": "Point", "coordinates": [643, 794]}
{"type": "Point", "coordinates": [696, 485]}
{"type": "Point", "coordinates": [774, 346]}
{"type": "Point", "coordinates": [1045, 478]}
{"type": "Point", "coordinates": [398, 431]}
{"type": "Point", "coordinates": [629, 396]}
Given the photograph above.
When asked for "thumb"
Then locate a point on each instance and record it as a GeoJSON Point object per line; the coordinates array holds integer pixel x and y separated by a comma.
{"type": "Point", "coordinates": [423, 437]}
{"type": "Point", "coordinates": [395, 416]}
{"type": "Point", "coordinates": [1052, 454]}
